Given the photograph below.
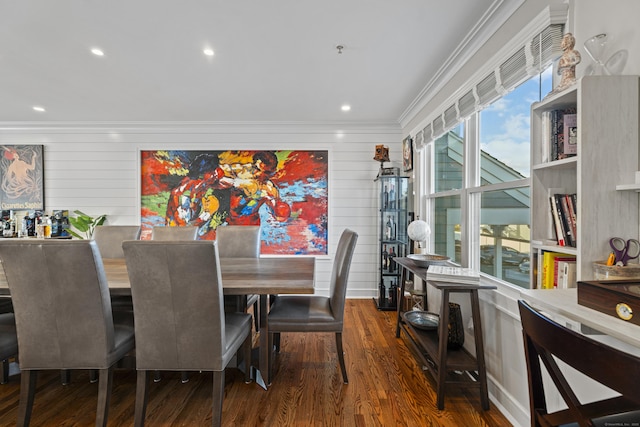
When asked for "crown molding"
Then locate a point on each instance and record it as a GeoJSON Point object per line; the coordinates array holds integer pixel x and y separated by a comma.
{"type": "Point", "coordinates": [494, 18]}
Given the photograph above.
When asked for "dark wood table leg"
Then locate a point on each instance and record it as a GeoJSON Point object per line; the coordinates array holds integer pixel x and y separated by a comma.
{"type": "Point", "coordinates": [443, 335]}
{"type": "Point", "coordinates": [477, 331]}
{"type": "Point", "coordinates": [400, 298]}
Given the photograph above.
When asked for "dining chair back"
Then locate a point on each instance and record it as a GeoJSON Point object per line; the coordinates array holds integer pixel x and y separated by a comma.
{"type": "Point", "coordinates": [63, 314]}
{"type": "Point", "coordinates": [241, 241]}
{"type": "Point", "coordinates": [238, 241]}
{"type": "Point", "coordinates": [179, 316]}
{"type": "Point", "coordinates": [110, 237]}
{"type": "Point", "coordinates": [314, 313]}
{"type": "Point", "coordinates": [548, 342]}
{"type": "Point", "coordinates": [174, 233]}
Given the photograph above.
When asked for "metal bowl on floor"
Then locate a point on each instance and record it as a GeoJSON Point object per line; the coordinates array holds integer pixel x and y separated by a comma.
{"type": "Point", "coordinates": [422, 319]}
{"type": "Point", "coordinates": [425, 260]}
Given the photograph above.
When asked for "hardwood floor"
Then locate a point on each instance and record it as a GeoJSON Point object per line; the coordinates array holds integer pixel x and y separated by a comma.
{"type": "Point", "coordinates": [386, 388]}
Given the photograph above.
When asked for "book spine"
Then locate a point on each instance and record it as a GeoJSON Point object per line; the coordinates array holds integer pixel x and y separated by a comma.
{"type": "Point", "coordinates": [570, 199]}
{"type": "Point", "coordinates": [561, 201]}
{"type": "Point", "coordinates": [557, 222]}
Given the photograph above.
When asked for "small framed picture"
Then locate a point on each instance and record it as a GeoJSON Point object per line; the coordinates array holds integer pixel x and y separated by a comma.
{"type": "Point", "coordinates": [407, 154]}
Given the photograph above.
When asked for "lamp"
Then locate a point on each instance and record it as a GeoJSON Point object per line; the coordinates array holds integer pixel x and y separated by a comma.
{"type": "Point", "coordinates": [418, 231]}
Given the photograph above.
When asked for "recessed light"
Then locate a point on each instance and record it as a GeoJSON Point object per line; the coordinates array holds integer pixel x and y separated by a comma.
{"type": "Point", "coordinates": [38, 109]}
{"type": "Point", "coordinates": [97, 52]}
{"type": "Point", "coordinates": [208, 51]}
{"type": "Point", "coordinates": [346, 107]}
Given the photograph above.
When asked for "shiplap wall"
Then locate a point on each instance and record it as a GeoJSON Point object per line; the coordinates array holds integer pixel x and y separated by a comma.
{"type": "Point", "coordinates": [96, 169]}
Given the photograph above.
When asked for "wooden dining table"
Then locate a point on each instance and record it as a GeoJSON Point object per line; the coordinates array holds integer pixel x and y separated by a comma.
{"type": "Point", "coordinates": [240, 276]}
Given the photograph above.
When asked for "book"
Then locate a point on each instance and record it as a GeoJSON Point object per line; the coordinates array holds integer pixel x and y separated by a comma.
{"type": "Point", "coordinates": [558, 269]}
{"type": "Point", "coordinates": [570, 131]}
{"type": "Point", "coordinates": [443, 273]}
{"type": "Point", "coordinates": [548, 260]}
{"type": "Point", "coordinates": [566, 274]}
{"type": "Point", "coordinates": [562, 203]}
{"type": "Point", "coordinates": [560, 233]}
{"type": "Point", "coordinates": [573, 220]}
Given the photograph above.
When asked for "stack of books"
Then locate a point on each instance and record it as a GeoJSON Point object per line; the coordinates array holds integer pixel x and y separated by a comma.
{"type": "Point", "coordinates": [460, 275]}
{"type": "Point", "coordinates": [563, 212]}
{"type": "Point", "coordinates": [560, 134]}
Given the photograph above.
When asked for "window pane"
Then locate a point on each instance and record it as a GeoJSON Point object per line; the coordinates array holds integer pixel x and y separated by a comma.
{"type": "Point", "coordinates": [448, 162]}
{"type": "Point", "coordinates": [447, 227]}
{"type": "Point", "coordinates": [504, 134]}
{"type": "Point", "coordinates": [505, 235]}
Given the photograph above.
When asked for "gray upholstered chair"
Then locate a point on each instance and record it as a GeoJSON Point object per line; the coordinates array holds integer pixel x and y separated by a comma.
{"type": "Point", "coordinates": [241, 241]}
{"type": "Point", "coordinates": [63, 315]}
{"type": "Point", "coordinates": [174, 233]}
{"type": "Point", "coordinates": [179, 315]}
{"type": "Point", "coordinates": [110, 237]}
{"type": "Point", "coordinates": [314, 313]}
{"type": "Point", "coordinates": [8, 344]}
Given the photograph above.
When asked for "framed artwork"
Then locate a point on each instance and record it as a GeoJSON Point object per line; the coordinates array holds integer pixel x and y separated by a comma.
{"type": "Point", "coordinates": [407, 154]}
{"type": "Point", "coordinates": [22, 177]}
{"type": "Point", "coordinates": [283, 191]}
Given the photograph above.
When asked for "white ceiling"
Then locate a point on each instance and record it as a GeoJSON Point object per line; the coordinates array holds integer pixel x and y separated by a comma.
{"type": "Point", "coordinates": [274, 60]}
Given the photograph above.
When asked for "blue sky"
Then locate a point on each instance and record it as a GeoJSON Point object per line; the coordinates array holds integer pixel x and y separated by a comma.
{"type": "Point", "coordinates": [504, 128]}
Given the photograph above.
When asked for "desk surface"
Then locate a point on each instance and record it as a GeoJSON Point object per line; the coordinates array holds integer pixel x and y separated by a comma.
{"type": "Point", "coordinates": [240, 276]}
{"type": "Point", "coordinates": [565, 303]}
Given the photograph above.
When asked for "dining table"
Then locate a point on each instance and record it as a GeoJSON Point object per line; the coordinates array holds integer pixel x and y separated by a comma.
{"type": "Point", "coordinates": [263, 276]}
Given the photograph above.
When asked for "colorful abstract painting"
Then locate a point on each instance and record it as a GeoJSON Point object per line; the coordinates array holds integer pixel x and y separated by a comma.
{"type": "Point", "coordinates": [285, 192]}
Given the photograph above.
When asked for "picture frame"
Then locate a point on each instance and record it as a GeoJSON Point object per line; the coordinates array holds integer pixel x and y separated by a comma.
{"type": "Point", "coordinates": [22, 177]}
{"type": "Point", "coordinates": [407, 154]}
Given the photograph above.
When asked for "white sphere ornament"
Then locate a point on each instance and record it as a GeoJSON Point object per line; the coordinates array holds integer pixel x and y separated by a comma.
{"type": "Point", "coordinates": [418, 230]}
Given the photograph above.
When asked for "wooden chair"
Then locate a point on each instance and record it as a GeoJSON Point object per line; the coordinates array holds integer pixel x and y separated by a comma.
{"type": "Point", "coordinates": [313, 313]}
{"type": "Point", "coordinates": [63, 315]}
{"type": "Point", "coordinates": [179, 315]}
{"type": "Point", "coordinates": [241, 241]}
{"type": "Point", "coordinates": [547, 341]}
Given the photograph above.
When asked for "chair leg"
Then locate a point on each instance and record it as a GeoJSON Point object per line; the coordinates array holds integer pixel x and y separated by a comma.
{"type": "Point", "coordinates": [93, 376]}
{"type": "Point", "coordinates": [4, 372]}
{"type": "Point", "coordinates": [157, 377]}
{"type": "Point", "coordinates": [271, 354]}
{"type": "Point", "coordinates": [341, 357]}
{"type": "Point", "coordinates": [142, 394]}
{"type": "Point", "coordinates": [246, 350]}
{"type": "Point", "coordinates": [184, 377]}
{"type": "Point", "coordinates": [104, 396]}
{"type": "Point", "coordinates": [276, 341]}
{"type": "Point", "coordinates": [27, 394]}
{"type": "Point", "coordinates": [256, 315]}
{"type": "Point", "coordinates": [218, 396]}
{"type": "Point", "coordinates": [65, 376]}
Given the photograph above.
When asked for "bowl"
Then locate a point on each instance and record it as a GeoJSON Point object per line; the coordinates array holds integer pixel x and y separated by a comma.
{"type": "Point", "coordinates": [422, 319]}
{"type": "Point", "coordinates": [425, 260]}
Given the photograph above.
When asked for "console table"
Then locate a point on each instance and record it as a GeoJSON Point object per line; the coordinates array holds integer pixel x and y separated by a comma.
{"type": "Point", "coordinates": [446, 366]}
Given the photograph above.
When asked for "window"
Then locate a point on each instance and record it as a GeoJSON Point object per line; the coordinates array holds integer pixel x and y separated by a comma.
{"type": "Point", "coordinates": [490, 206]}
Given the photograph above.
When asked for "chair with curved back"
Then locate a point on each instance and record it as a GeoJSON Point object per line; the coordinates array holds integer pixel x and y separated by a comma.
{"type": "Point", "coordinates": [547, 341]}
{"type": "Point", "coordinates": [241, 241]}
{"type": "Point", "coordinates": [174, 233]}
{"type": "Point", "coordinates": [314, 313]}
{"type": "Point", "coordinates": [179, 315]}
{"type": "Point", "coordinates": [63, 315]}
{"type": "Point", "coordinates": [110, 237]}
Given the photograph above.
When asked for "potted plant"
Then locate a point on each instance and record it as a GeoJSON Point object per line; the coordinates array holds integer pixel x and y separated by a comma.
{"type": "Point", "coordinates": [84, 223]}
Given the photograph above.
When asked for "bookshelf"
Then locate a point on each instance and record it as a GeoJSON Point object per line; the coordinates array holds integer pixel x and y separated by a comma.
{"type": "Point", "coordinates": [608, 111]}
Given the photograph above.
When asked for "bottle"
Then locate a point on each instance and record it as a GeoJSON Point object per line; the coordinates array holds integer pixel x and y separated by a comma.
{"type": "Point", "coordinates": [385, 257]}
{"type": "Point", "coordinates": [385, 198]}
{"type": "Point", "coordinates": [382, 294]}
{"type": "Point", "coordinates": [392, 195]}
{"type": "Point", "coordinates": [12, 225]}
{"type": "Point", "coordinates": [392, 229]}
{"type": "Point", "coordinates": [392, 263]}
{"type": "Point", "coordinates": [387, 229]}
{"type": "Point", "coordinates": [393, 294]}
{"type": "Point", "coordinates": [47, 227]}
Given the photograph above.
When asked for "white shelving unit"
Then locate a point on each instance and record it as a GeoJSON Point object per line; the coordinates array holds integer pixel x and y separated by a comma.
{"type": "Point", "coordinates": [608, 112]}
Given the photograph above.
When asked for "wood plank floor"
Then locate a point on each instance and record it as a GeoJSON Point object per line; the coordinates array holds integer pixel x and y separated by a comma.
{"type": "Point", "coordinates": [386, 388]}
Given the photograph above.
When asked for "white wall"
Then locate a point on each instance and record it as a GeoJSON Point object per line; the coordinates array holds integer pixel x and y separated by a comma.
{"type": "Point", "coordinates": [95, 169]}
